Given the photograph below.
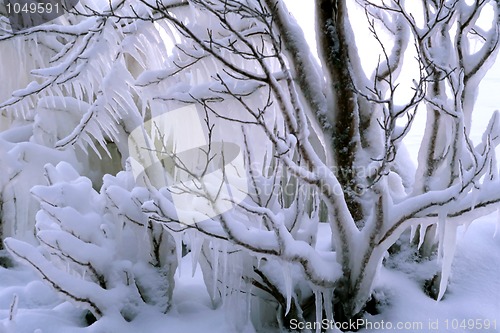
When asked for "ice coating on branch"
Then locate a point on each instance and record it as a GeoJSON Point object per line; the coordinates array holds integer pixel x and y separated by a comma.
{"type": "Point", "coordinates": [287, 286]}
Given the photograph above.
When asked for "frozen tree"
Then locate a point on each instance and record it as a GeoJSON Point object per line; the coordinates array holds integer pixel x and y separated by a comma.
{"type": "Point", "coordinates": [244, 148]}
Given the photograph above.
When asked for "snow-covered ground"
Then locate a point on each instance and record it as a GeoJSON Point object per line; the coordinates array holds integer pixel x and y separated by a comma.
{"type": "Point", "coordinates": [39, 309]}
{"type": "Point", "coordinates": [473, 295]}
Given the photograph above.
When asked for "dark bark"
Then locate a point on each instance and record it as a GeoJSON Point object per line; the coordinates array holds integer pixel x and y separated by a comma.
{"type": "Point", "coordinates": [333, 43]}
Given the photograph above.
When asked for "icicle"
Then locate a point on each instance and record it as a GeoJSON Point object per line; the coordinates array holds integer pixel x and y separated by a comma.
{"type": "Point", "coordinates": [441, 233]}
{"type": "Point", "coordinates": [196, 244]}
{"type": "Point", "coordinates": [145, 229]}
{"type": "Point", "coordinates": [178, 250]}
{"type": "Point", "coordinates": [288, 285]}
{"type": "Point", "coordinates": [421, 236]}
{"type": "Point", "coordinates": [413, 231]}
{"type": "Point", "coordinates": [215, 265]}
{"type": "Point", "coordinates": [475, 197]}
{"type": "Point", "coordinates": [248, 304]}
{"type": "Point", "coordinates": [328, 301]}
{"type": "Point", "coordinates": [466, 224]}
{"type": "Point", "coordinates": [319, 309]}
{"type": "Point", "coordinates": [449, 246]}
{"type": "Point", "coordinates": [259, 259]}
{"type": "Point", "coordinates": [234, 301]}
{"type": "Point", "coordinates": [225, 272]}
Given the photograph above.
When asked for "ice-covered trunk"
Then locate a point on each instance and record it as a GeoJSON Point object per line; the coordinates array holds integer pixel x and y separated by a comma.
{"type": "Point", "coordinates": [334, 35]}
{"type": "Point", "coordinates": [353, 295]}
{"type": "Point", "coordinates": [341, 63]}
{"type": "Point", "coordinates": [355, 291]}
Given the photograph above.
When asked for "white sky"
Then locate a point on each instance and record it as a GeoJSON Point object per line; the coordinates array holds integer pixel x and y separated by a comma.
{"type": "Point", "coordinates": [488, 99]}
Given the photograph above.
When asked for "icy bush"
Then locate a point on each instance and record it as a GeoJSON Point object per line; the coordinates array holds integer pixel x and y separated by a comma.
{"type": "Point", "coordinates": [97, 249]}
